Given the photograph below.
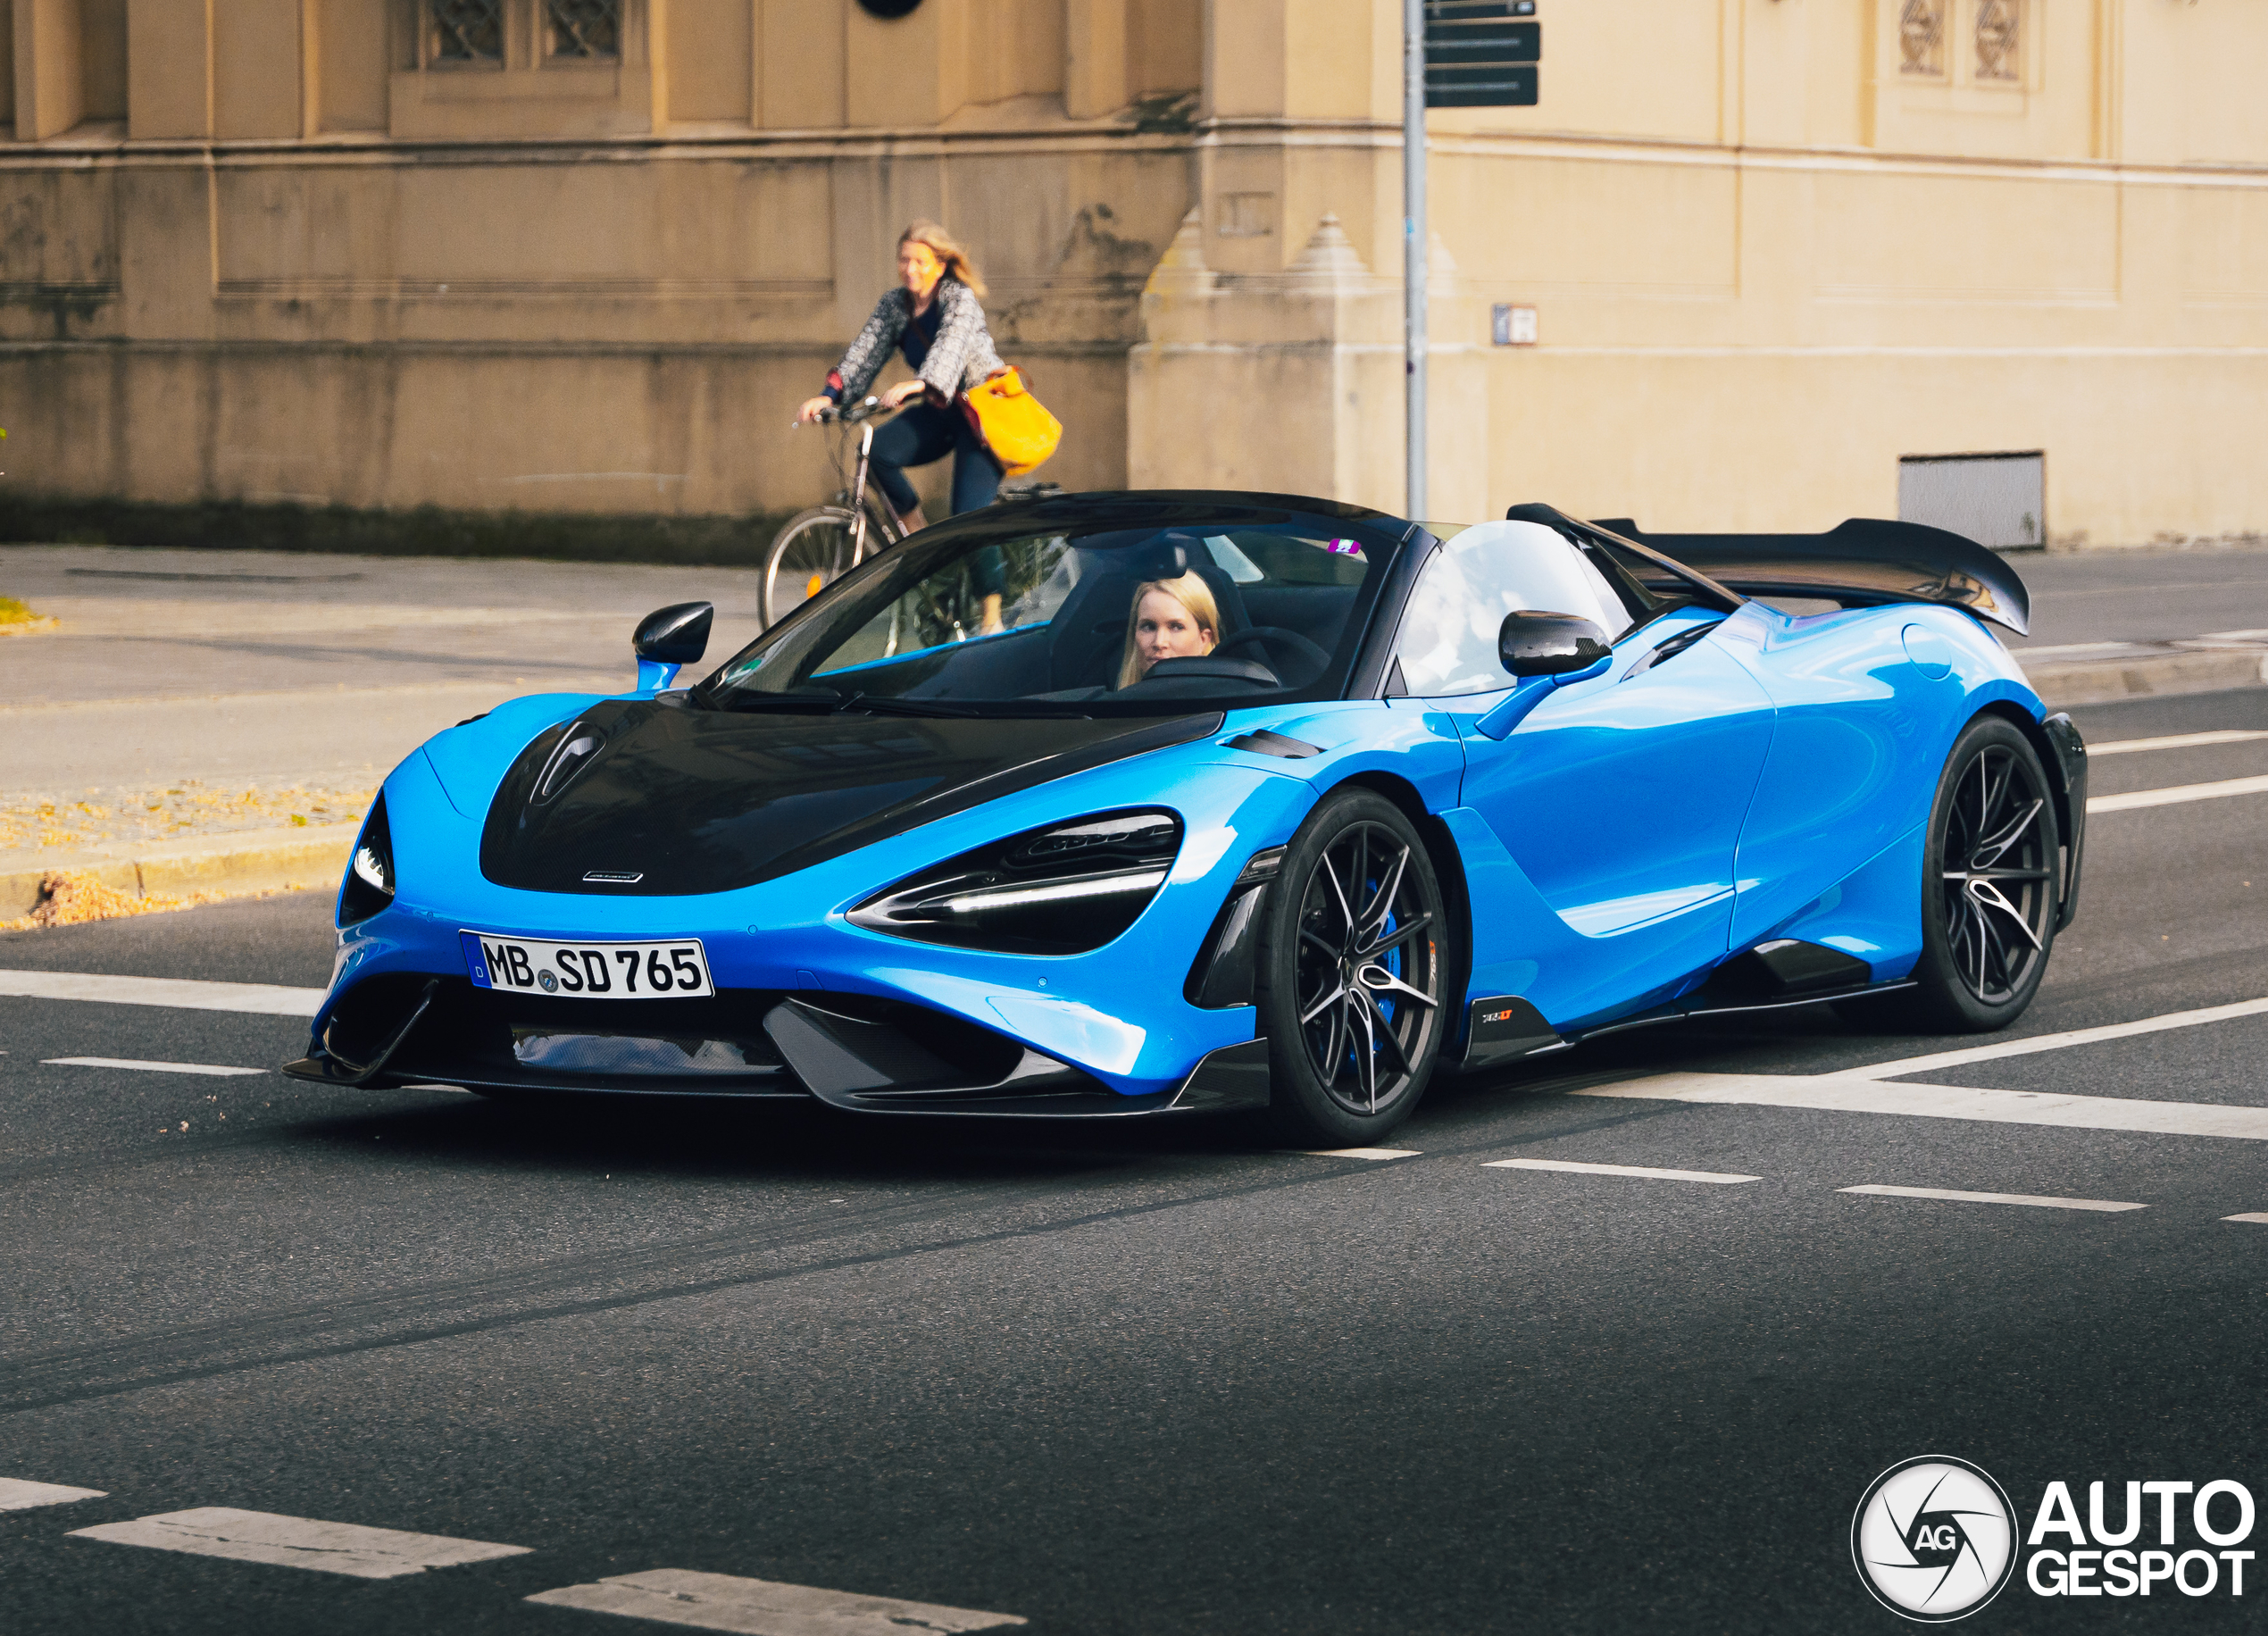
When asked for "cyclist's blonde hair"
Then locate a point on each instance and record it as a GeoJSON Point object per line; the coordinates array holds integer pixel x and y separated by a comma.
{"type": "Point", "coordinates": [948, 250]}
{"type": "Point", "coordinates": [1195, 597]}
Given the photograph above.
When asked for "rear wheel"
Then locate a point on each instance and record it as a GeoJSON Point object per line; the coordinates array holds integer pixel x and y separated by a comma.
{"type": "Point", "coordinates": [1987, 885]}
{"type": "Point", "coordinates": [811, 554]}
{"type": "Point", "coordinates": [1352, 965]}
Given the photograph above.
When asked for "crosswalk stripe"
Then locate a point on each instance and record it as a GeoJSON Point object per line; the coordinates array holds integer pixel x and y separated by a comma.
{"type": "Point", "coordinates": [297, 1542]}
{"type": "Point", "coordinates": [1839, 1094]}
{"type": "Point", "coordinates": [1618, 1170]}
{"type": "Point", "coordinates": [762, 1608]}
{"type": "Point", "coordinates": [2047, 1200]}
{"type": "Point", "coordinates": [2057, 1042]}
{"type": "Point", "coordinates": [1356, 1153]}
{"type": "Point", "coordinates": [143, 1067]}
{"type": "Point", "coordinates": [182, 993]}
{"type": "Point", "coordinates": [2175, 793]}
{"type": "Point", "coordinates": [2172, 741]}
{"type": "Point", "coordinates": [16, 1494]}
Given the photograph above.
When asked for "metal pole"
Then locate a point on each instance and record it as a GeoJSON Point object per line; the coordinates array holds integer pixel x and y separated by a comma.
{"type": "Point", "coordinates": [1414, 241]}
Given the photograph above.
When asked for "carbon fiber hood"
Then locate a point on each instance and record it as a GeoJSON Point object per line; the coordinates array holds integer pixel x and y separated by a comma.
{"type": "Point", "coordinates": [690, 801]}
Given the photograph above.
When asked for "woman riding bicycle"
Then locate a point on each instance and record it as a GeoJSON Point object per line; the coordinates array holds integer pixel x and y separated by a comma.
{"type": "Point", "coordinates": [935, 319]}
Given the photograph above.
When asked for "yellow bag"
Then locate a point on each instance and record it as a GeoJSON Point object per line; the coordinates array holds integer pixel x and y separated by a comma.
{"type": "Point", "coordinates": [1012, 423]}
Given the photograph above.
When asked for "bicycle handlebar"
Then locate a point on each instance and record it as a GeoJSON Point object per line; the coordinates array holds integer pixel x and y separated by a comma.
{"type": "Point", "coordinates": [853, 413]}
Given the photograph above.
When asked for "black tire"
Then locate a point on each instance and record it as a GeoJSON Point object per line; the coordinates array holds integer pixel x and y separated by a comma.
{"type": "Point", "coordinates": [1988, 884]}
{"type": "Point", "coordinates": [810, 554]}
{"type": "Point", "coordinates": [1350, 982]}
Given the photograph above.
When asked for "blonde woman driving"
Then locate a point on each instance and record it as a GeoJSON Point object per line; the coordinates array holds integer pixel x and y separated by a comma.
{"type": "Point", "coordinates": [1169, 619]}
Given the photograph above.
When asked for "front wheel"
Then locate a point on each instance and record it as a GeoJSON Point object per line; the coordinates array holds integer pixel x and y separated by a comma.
{"type": "Point", "coordinates": [809, 555]}
{"type": "Point", "coordinates": [1988, 883]}
{"type": "Point", "coordinates": [1351, 967]}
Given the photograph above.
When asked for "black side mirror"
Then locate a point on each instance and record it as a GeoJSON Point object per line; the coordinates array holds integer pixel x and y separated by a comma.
{"type": "Point", "coordinates": [675, 635]}
{"type": "Point", "coordinates": [1536, 644]}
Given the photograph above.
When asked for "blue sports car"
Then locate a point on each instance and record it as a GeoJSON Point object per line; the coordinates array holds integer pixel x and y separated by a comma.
{"type": "Point", "coordinates": [1165, 802]}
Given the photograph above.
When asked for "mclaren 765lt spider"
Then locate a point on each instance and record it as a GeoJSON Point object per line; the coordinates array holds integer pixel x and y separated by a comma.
{"type": "Point", "coordinates": [952, 837]}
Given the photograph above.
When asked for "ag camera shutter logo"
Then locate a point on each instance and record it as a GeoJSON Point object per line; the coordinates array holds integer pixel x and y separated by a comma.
{"type": "Point", "coordinates": [1934, 1539]}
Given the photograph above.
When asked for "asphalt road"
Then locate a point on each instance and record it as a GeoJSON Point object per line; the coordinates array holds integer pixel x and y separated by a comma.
{"type": "Point", "coordinates": [1144, 1380]}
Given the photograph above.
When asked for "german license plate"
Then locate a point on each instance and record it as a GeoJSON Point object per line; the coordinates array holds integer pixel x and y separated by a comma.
{"type": "Point", "coordinates": [674, 971]}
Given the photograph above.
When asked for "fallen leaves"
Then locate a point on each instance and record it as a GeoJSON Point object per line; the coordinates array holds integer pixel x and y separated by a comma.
{"type": "Point", "coordinates": [74, 897]}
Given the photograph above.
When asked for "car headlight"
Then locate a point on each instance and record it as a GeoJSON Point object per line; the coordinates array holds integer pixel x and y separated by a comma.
{"type": "Point", "coordinates": [369, 872]}
{"type": "Point", "coordinates": [1060, 890]}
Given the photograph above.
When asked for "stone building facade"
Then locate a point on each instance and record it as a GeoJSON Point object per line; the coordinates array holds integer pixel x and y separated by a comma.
{"type": "Point", "coordinates": [580, 258]}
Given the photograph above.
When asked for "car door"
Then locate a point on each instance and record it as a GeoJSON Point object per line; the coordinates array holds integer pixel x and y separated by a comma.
{"type": "Point", "coordinates": [1619, 799]}
{"type": "Point", "coordinates": [1863, 731]}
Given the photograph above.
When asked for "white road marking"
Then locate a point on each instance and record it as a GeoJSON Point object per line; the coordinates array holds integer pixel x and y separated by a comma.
{"type": "Point", "coordinates": [2176, 793]}
{"type": "Point", "coordinates": [2253, 1215]}
{"type": "Point", "coordinates": [18, 1495]}
{"type": "Point", "coordinates": [762, 1608]}
{"type": "Point", "coordinates": [2174, 741]}
{"type": "Point", "coordinates": [128, 1062]}
{"type": "Point", "coordinates": [1617, 1170]}
{"type": "Point", "coordinates": [1354, 1153]}
{"type": "Point", "coordinates": [2048, 1201]}
{"type": "Point", "coordinates": [182, 993]}
{"type": "Point", "coordinates": [1848, 1095]}
{"type": "Point", "coordinates": [2057, 1042]}
{"type": "Point", "coordinates": [297, 1542]}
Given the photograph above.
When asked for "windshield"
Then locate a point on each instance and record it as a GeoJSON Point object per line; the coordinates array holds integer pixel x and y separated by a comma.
{"type": "Point", "coordinates": [1101, 619]}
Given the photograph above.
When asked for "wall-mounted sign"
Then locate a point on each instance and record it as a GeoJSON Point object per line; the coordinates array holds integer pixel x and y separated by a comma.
{"type": "Point", "coordinates": [1481, 54]}
{"type": "Point", "coordinates": [1511, 326]}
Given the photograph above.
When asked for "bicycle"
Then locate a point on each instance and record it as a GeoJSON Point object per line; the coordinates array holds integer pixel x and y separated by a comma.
{"type": "Point", "coordinates": [820, 545]}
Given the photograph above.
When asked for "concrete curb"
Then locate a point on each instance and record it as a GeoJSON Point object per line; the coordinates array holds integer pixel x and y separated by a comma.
{"type": "Point", "coordinates": [2144, 671]}
{"type": "Point", "coordinates": [253, 861]}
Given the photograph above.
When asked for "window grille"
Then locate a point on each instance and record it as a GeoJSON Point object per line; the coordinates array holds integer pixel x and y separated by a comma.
{"type": "Point", "coordinates": [1920, 37]}
{"type": "Point", "coordinates": [584, 30]}
{"type": "Point", "coordinates": [1998, 34]}
{"type": "Point", "coordinates": [465, 30]}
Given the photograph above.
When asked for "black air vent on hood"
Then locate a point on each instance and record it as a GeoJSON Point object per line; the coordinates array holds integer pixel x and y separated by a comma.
{"type": "Point", "coordinates": [707, 801]}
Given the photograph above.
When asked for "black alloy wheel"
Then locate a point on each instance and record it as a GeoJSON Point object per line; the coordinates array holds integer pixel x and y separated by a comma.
{"type": "Point", "coordinates": [1351, 974]}
{"type": "Point", "coordinates": [1990, 880]}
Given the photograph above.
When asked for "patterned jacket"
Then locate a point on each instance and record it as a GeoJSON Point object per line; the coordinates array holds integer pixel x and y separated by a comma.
{"type": "Point", "coordinates": [961, 357]}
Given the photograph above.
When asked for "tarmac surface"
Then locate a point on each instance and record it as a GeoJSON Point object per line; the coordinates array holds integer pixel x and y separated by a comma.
{"type": "Point", "coordinates": [1149, 1378]}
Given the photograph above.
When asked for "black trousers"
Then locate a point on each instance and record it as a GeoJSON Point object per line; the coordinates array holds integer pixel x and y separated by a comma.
{"type": "Point", "coordinates": [925, 433]}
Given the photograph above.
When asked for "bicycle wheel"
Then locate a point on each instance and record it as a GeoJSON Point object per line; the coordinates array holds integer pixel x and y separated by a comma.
{"type": "Point", "coordinates": [806, 556]}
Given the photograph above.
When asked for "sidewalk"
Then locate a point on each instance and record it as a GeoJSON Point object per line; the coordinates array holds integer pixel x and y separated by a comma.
{"type": "Point", "coordinates": [218, 722]}
{"type": "Point", "coordinates": [2103, 672]}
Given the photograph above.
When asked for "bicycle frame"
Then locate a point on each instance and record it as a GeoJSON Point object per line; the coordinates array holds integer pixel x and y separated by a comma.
{"type": "Point", "coordinates": [858, 493]}
{"type": "Point", "coordinates": [865, 415]}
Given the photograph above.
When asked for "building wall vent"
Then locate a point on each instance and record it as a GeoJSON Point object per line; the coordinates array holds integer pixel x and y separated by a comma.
{"type": "Point", "coordinates": [1997, 500]}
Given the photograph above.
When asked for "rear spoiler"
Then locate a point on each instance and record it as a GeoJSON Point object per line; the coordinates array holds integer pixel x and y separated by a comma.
{"type": "Point", "coordinates": [1863, 562]}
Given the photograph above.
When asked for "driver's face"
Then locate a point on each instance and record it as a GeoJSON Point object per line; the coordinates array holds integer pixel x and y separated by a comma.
{"type": "Point", "coordinates": [1165, 629]}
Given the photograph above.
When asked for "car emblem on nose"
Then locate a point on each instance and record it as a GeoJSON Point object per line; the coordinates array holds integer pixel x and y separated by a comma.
{"type": "Point", "coordinates": [614, 877]}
